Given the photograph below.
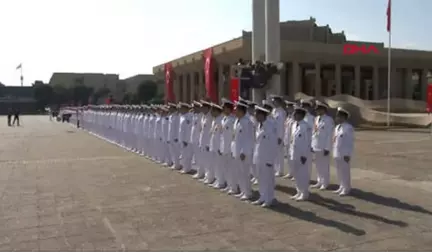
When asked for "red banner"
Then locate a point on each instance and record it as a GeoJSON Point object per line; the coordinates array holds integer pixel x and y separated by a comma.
{"type": "Point", "coordinates": [208, 73]}
{"type": "Point", "coordinates": [235, 89]}
{"type": "Point", "coordinates": [169, 79]}
{"type": "Point", "coordinates": [429, 98]}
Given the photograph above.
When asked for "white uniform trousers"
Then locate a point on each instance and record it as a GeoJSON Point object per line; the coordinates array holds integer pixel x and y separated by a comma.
{"type": "Point", "coordinates": [279, 165]}
{"type": "Point", "coordinates": [343, 170]}
{"type": "Point", "coordinates": [322, 165]}
{"type": "Point", "coordinates": [213, 170]}
{"type": "Point", "coordinates": [266, 183]}
{"type": "Point", "coordinates": [244, 176]}
{"type": "Point", "coordinates": [301, 176]}
{"type": "Point", "coordinates": [174, 150]}
{"type": "Point", "coordinates": [220, 169]}
{"type": "Point", "coordinates": [202, 162]}
{"type": "Point", "coordinates": [290, 170]}
{"type": "Point", "coordinates": [186, 157]}
{"type": "Point", "coordinates": [231, 173]}
{"type": "Point", "coordinates": [254, 171]}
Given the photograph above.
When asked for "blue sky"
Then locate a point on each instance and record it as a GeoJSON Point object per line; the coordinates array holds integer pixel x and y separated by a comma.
{"type": "Point", "coordinates": [129, 37]}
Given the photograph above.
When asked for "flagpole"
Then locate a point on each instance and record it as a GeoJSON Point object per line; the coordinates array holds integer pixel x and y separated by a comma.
{"type": "Point", "coordinates": [22, 78]}
{"type": "Point", "coordinates": [389, 63]}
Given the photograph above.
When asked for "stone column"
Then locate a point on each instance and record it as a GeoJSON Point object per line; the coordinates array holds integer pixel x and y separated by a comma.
{"type": "Point", "coordinates": [408, 84]}
{"type": "Point", "coordinates": [258, 40]}
{"type": "Point", "coordinates": [176, 88]}
{"type": "Point", "coordinates": [357, 81]}
{"type": "Point", "coordinates": [318, 91]}
{"type": "Point", "coordinates": [185, 89]}
{"type": "Point", "coordinates": [375, 83]}
{"type": "Point", "coordinates": [424, 83]}
{"type": "Point", "coordinates": [338, 79]}
{"type": "Point", "coordinates": [296, 83]}
{"type": "Point", "coordinates": [221, 84]}
{"type": "Point", "coordinates": [272, 41]}
{"type": "Point", "coordinates": [201, 85]}
{"type": "Point", "coordinates": [193, 86]}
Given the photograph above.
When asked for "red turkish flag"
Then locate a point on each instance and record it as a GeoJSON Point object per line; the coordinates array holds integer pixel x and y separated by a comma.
{"type": "Point", "coordinates": [235, 89]}
{"type": "Point", "coordinates": [208, 74]}
{"type": "Point", "coordinates": [389, 16]}
{"type": "Point", "coordinates": [429, 98]}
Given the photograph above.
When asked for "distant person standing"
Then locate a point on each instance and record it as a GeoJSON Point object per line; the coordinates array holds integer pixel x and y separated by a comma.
{"type": "Point", "coordinates": [16, 119]}
{"type": "Point", "coordinates": [9, 117]}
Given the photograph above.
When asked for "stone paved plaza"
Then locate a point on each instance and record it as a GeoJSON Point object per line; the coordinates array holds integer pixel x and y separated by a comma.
{"type": "Point", "coordinates": [63, 189]}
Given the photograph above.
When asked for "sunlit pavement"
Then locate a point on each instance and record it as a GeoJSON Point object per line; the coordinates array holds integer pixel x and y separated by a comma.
{"type": "Point", "coordinates": [63, 189]}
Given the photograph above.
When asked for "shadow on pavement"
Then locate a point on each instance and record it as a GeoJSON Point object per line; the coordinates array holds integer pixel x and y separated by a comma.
{"type": "Point", "coordinates": [336, 206]}
{"type": "Point", "coordinates": [387, 201]}
{"type": "Point", "coordinates": [285, 208]}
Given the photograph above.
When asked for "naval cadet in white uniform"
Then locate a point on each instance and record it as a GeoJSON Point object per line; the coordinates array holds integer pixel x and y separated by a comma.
{"type": "Point", "coordinates": [279, 116]}
{"type": "Point", "coordinates": [287, 135]}
{"type": "Point", "coordinates": [242, 148]}
{"type": "Point", "coordinates": [228, 175]}
{"type": "Point", "coordinates": [215, 172]}
{"type": "Point", "coordinates": [173, 134]}
{"type": "Point", "coordinates": [265, 155]}
{"type": "Point", "coordinates": [300, 152]}
{"type": "Point", "coordinates": [343, 147]}
{"type": "Point", "coordinates": [204, 142]}
{"type": "Point", "coordinates": [322, 137]}
{"type": "Point", "coordinates": [184, 137]}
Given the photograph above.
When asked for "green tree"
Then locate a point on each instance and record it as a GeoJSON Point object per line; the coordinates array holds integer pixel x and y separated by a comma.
{"type": "Point", "coordinates": [43, 94]}
{"type": "Point", "coordinates": [81, 94]}
{"type": "Point", "coordinates": [102, 92]}
{"type": "Point", "coordinates": [62, 95]}
{"type": "Point", "coordinates": [146, 91]}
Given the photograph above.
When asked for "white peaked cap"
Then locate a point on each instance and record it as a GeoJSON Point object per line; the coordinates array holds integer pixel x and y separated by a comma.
{"type": "Point", "coordinates": [298, 108]}
{"type": "Point", "coordinates": [196, 103]}
{"type": "Point", "coordinates": [183, 104]}
{"type": "Point", "coordinates": [214, 105]}
{"type": "Point", "coordinates": [289, 102]}
{"type": "Point", "coordinates": [303, 101]}
{"type": "Point", "coordinates": [241, 104]}
{"type": "Point", "coordinates": [226, 101]}
{"type": "Point", "coordinates": [342, 110]}
{"type": "Point", "coordinates": [321, 104]}
{"type": "Point", "coordinates": [268, 103]}
{"type": "Point", "coordinates": [262, 109]}
{"type": "Point", "coordinates": [205, 102]}
{"type": "Point", "coordinates": [273, 96]}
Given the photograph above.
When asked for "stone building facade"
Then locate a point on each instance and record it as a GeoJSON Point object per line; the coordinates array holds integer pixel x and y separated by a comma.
{"type": "Point", "coordinates": [315, 64]}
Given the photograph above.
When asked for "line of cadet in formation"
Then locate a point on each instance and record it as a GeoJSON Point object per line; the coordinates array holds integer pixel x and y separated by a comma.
{"type": "Point", "coordinates": [234, 145]}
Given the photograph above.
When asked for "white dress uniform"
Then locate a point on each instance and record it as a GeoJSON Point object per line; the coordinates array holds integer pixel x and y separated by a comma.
{"type": "Point", "coordinates": [174, 146]}
{"type": "Point", "coordinates": [229, 174]}
{"type": "Point", "coordinates": [279, 116]}
{"type": "Point", "coordinates": [321, 144]}
{"type": "Point", "coordinates": [243, 143]}
{"type": "Point", "coordinates": [165, 157]}
{"type": "Point", "coordinates": [264, 158]}
{"type": "Point", "coordinates": [253, 168]}
{"type": "Point", "coordinates": [158, 137]}
{"type": "Point", "coordinates": [145, 131]}
{"type": "Point", "coordinates": [215, 171]}
{"type": "Point", "coordinates": [195, 136]}
{"type": "Point", "coordinates": [151, 136]}
{"type": "Point", "coordinates": [184, 139]}
{"type": "Point", "coordinates": [300, 147]}
{"type": "Point", "coordinates": [343, 146]}
{"type": "Point", "coordinates": [287, 140]}
{"type": "Point", "coordinates": [204, 142]}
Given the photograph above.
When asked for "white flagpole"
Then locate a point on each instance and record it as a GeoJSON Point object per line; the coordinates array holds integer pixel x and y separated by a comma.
{"type": "Point", "coordinates": [22, 78]}
{"type": "Point", "coordinates": [389, 68]}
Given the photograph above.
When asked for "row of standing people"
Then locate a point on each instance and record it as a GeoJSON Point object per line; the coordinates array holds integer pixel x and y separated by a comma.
{"type": "Point", "coordinates": [230, 146]}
